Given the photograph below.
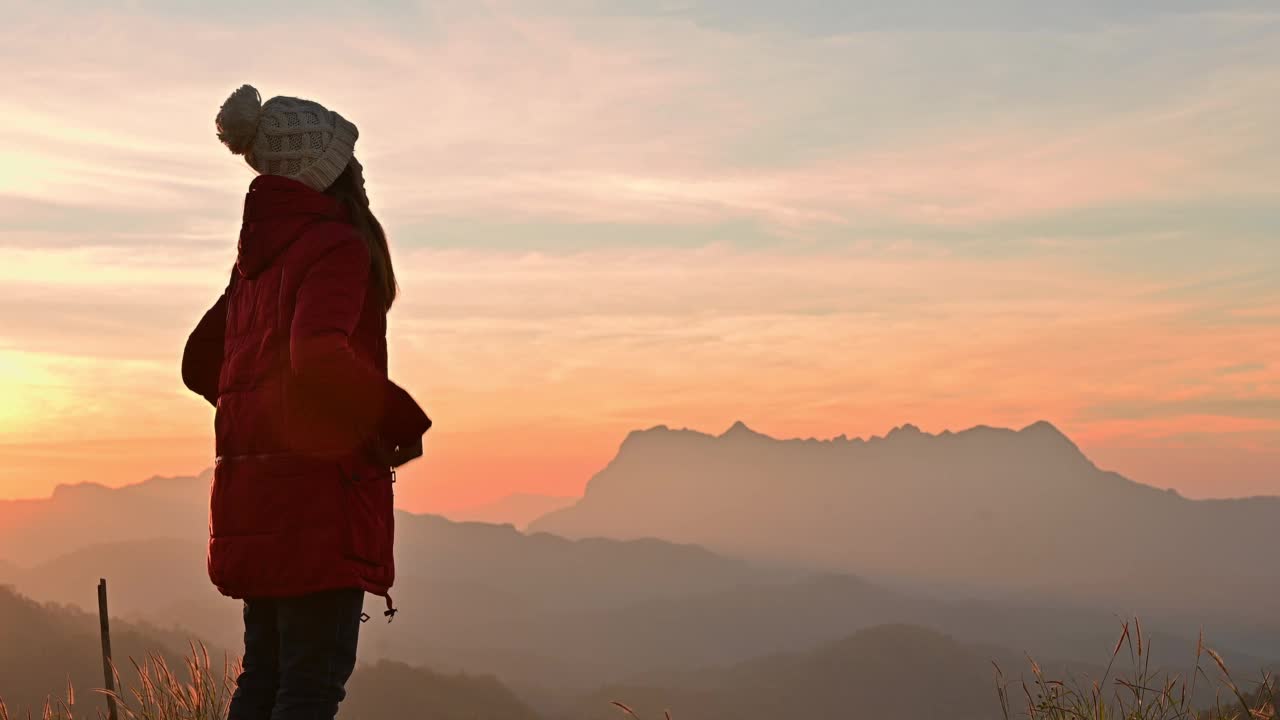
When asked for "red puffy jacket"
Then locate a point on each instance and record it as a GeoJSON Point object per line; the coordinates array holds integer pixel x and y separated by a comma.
{"type": "Point", "coordinates": [294, 357]}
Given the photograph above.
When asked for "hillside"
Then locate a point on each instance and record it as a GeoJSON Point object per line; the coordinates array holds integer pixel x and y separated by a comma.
{"type": "Point", "coordinates": [992, 510]}
{"type": "Point", "coordinates": [897, 671]}
{"type": "Point", "coordinates": [390, 690]}
{"type": "Point", "coordinates": [880, 668]}
{"type": "Point", "coordinates": [43, 647]}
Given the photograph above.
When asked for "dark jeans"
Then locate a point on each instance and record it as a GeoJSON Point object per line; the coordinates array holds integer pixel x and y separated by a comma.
{"type": "Point", "coordinates": [298, 654]}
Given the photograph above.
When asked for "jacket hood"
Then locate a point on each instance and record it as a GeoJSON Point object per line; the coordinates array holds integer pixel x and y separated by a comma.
{"type": "Point", "coordinates": [276, 211]}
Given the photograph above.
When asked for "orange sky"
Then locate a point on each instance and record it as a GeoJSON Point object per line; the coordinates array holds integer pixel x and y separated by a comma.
{"type": "Point", "coordinates": [605, 222]}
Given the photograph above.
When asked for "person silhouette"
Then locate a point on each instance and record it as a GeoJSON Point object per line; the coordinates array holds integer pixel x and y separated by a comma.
{"type": "Point", "coordinates": [309, 428]}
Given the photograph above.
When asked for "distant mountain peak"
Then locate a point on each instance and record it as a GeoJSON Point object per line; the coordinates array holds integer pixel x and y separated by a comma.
{"type": "Point", "coordinates": [1041, 431]}
{"type": "Point", "coordinates": [1043, 427]}
{"type": "Point", "coordinates": [907, 430]}
{"type": "Point", "coordinates": [740, 429]}
{"type": "Point", "coordinates": [78, 489]}
{"type": "Point", "coordinates": [1045, 431]}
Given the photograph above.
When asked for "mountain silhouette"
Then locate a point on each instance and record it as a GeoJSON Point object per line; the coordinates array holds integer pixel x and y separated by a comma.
{"type": "Point", "coordinates": [988, 510]}
{"type": "Point", "coordinates": [74, 516]}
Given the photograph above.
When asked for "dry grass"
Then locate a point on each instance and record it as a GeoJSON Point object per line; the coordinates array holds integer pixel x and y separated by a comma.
{"type": "Point", "coordinates": [157, 693]}
{"type": "Point", "coordinates": [632, 713]}
{"type": "Point", "coordinates": [1141, 693]}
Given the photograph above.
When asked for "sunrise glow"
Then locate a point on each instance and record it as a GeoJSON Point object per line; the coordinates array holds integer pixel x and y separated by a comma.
{"type": "Point", "coordinates": [609, 221]}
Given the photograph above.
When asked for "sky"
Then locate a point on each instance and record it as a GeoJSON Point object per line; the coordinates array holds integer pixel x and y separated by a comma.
{"type": "Point", "coordinates": [818, 218]}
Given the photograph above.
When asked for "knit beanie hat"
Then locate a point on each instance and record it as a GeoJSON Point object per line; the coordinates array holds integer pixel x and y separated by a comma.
{"type": "Point", "coordinates": [287, 136]}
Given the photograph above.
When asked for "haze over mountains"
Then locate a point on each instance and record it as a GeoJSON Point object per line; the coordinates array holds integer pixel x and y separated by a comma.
{"type": "Point", "coordinates": [788, 528]}
{"type": "Point", "coordinates": [518, 509]}
{"type": "Point", "coordinates": [75, 516]}
{"type": "Point", "coordinates": [987, 509]}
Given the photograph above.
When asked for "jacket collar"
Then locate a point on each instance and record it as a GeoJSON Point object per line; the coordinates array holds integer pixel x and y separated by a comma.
{"type": "Point", "coordinates": [276, 211]}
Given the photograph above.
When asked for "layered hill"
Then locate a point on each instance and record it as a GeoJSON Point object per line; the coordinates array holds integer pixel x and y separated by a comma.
{"type": "Point", "coordinates": [77, 515]}
{"type": "Point", "coordinates": [44, 649]}
{"type": "Point", "coordinates": [545, 612]}
{"type": "Point", "coordinates": [894, 671]}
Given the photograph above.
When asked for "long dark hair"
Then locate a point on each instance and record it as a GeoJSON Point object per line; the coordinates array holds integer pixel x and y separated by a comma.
{"type": "Point", "coordinates": [348, 191]}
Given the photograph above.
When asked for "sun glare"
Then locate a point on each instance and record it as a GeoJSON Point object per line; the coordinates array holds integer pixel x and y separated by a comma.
{"type": "Point", "coordinates": [25, 386]}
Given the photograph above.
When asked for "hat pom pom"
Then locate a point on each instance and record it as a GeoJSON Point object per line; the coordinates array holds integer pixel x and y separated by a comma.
{"type": "Point", "coordinates": [238, 119]}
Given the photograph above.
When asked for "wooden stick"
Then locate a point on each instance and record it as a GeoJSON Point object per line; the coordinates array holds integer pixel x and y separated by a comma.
{"type": "Point", "coordinates": [108, 669]}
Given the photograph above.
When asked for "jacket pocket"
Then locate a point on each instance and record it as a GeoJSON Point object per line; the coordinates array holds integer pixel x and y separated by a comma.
{"type": "Point", "coordinates": [270, 496]}
{"type": "Point", "coordinates": [370, 518]}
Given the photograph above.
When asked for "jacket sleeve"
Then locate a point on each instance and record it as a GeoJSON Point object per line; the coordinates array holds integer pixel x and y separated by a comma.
{"type": "Point", "coordinates": [328, 307]}
{"type": "Point", "coordinates": [202, 356]}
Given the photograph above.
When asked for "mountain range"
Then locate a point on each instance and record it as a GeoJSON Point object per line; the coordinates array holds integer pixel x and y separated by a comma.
{"type": "Point", "coordinates": [987, 511]}
{"type": "Point", "coordinates": [557, 619]}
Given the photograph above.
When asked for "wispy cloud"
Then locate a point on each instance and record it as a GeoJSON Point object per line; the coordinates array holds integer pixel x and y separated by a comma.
{"type": "Point", "coordinates": [607, 216]}
{"type": "Point", "coordinates": [589, 119]}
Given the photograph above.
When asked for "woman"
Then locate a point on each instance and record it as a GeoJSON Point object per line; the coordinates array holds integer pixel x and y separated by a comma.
{"type": "Point", "coordinates": [308, 427]}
